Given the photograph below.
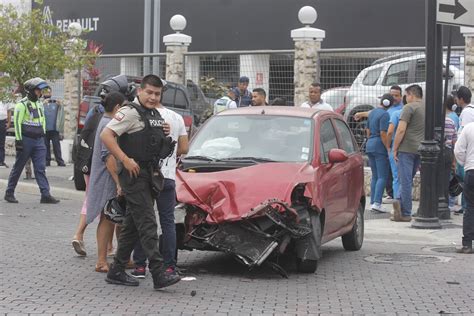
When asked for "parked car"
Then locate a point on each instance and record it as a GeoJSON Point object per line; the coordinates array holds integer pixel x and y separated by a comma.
{"type": "Point", "coordinates": [175, 97]}
{"type": "Point", "coordinates": [261, 181]}
{"type": "Point", "coordinates": [372, 82]}
{"type": "Point", "coordinates": [336, 97]}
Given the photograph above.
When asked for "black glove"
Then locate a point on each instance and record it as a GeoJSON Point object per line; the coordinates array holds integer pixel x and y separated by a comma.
{"type": "Point", "coordinates": [19, 145]}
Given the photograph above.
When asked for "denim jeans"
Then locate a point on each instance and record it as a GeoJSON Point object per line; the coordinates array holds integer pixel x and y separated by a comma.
{"type": "Point", "coordinates": [165, 203]}
{"type": "Point", "coordinates": [408, 164]}
{"type": "Point", "coordinates": [468, 217]}
{"type": "Point", "coordinates": [394, 168]}
{"type": "Point", "coordinates": [380, 167]}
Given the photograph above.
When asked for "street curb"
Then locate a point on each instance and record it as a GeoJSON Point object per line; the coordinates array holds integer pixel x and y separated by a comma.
{"type": "Point", "coordinates": [57, 192]}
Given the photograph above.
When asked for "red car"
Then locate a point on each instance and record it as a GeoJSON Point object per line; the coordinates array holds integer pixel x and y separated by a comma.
{"type": "Point", "coordinates": [261, 181]}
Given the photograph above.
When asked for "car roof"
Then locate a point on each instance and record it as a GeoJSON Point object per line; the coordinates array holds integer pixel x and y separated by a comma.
{"type": "Point", "coordinates": [294, 111]}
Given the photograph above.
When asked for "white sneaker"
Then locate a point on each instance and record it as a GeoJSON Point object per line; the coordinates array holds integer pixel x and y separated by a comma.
{"type": "Point", "coordinates": [388, 200]}
{"type": "Point", "coordinates": [378, 208]}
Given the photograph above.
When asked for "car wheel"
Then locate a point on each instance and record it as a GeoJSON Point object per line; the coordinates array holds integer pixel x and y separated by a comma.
{"type": "Point", "coordinates": [79, 181]}
{"type": "Point", "coordinates": [310, 265]}
{"type": "Point", "coordinates": [353, 240]}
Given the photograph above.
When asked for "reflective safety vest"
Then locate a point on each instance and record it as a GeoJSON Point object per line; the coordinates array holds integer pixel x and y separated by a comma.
{"type": "Point", "coordinates": [222, 104]}
{"type": "Point", "coordinates": [29, 119]}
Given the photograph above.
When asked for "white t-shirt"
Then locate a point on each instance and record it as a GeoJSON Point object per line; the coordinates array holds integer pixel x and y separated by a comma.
{"type": "Point", "coordinates": [321, 105]}
{"type": "Point", "coordinates": [467, 116]}
{"type": "Point", "coordinates": [4, 107]}
{"type": "Point", "coordinates": [168, 168]}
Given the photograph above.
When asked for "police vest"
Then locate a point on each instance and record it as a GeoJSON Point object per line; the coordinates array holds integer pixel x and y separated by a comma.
{"type": "Point", "coordinates": [144, 145]}
{"type": "Point", "coordinates": [222, 104]}
{"type": "Point", "coordinates": [32, 121]}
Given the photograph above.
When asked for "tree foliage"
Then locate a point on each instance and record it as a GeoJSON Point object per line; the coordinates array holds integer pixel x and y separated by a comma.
{"type": "Point", "coordinates": [32, 47]}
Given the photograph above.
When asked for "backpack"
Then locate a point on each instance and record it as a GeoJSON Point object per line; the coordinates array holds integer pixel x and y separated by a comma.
{"type": "Point", "coordinates": [86, 139]}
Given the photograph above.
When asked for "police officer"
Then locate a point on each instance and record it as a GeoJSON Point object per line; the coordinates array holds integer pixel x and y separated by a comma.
{"type": "Point", "coordinates": [228, 101]}
{"type": "Point", "coordinates": [141, 139]}
{"type": "Point", "coordinates": [30, 128]}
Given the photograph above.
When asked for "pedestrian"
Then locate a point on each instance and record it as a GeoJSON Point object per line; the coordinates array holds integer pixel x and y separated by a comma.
{"type": "Point", "coordinates": [377, 148]}
{"type": "Point", "coordinates": [5, 121]}
{"type": "Point", "coordinates": [464, 152]}
{"type": "Point", "coordinates": [166, 201]}
{"type": "Point", "coordinates": [410, 133]}
{"type": "Point", "coordinates": [54, 116]}
{"type": "Point", "coordinates": [245, 97]}
{"type": "Point", "coordinates": [394, 112]}
{"type": "Point", "coordinates": [30, 128]}
{"type": "Point", "coordinates": [103, 183]}
{"type": "Point", "coordinates": [450, 138]}
{"type": "Point", "coordinates": [315, 100]}
{"type": "Point", "coordinates": [141, 142]}
{"type": "Point", "coordinates": [228, 101]}
{"type": "Point", "coordinates": [259, 97]}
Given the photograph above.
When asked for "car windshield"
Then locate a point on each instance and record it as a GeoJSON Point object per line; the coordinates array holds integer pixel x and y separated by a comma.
{"type": "Point", "coordinates": [257, 138]}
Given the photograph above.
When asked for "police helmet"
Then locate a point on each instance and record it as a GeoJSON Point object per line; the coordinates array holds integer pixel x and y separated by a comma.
{"type": "Point", "coordinates": [115, 209]}
{"type": "Point", "coordinates": [455, 186]}
{"type": "Point", "coordinates": [118, 83]}
{"type": "Point", "coordinates": [32, 84]}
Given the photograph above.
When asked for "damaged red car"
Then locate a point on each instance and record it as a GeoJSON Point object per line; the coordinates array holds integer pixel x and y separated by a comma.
{"type": "Point", "coordinates": [258, 182]}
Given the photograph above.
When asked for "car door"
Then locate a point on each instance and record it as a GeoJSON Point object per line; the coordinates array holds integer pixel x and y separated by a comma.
{"type": "Point", "coordinates": [352, 169]}
{"type": "Point", "coordinates": [331, 180]}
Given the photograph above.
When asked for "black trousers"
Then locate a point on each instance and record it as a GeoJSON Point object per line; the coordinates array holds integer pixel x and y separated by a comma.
{"type": "Point", "coordinates": [53, 136]}
{"type": "Point", "coordinates": [468, 217]}
{"type": "Point", "coordinates": [140, 221]}
{"type": "Point", "coordinates": [3, 135]}
{"type": "Point", "coordinates": [389, 184]}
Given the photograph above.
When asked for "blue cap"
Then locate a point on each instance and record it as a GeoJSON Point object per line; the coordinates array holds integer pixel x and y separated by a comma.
{"type": "Point", "coordinates": [244, 79]}
{"type": "Point", "coordinates": [42, 86]}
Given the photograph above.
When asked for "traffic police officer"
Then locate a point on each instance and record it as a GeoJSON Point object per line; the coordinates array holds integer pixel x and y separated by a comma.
{"type": "Point", "coordinates": [30, 128]}
{"type": "Point", "coordinates": [141, 140]}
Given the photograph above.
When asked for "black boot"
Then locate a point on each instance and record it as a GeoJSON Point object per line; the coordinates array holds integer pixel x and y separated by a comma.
{"type": "Point", "coordinates": [118, 276]}
{"type": "Point", "coordinates": [165, 278]}
{"type": "Point", "coordinates": [48, 199]}
{"type": "Point", "coordinates": [10, 198]}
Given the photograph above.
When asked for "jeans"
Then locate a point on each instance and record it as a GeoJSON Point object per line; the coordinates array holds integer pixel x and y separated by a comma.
{"type": "Point", "coordinates": [408, 164]}
{"type": "Point", "coordinates": [3, 135]}
{"type": "Point", "coordinates": [53, 136]}
{"type": "Point", "coordinates": [380, 168]}
{"type": "Point", "coordinates": [165, 203]}
{"type": "Point", "coordinates": [394, 168]}
{"type": "Point", "coordinates": [35, 149]}
{"type": "Point", "coordinates": [468, 217]}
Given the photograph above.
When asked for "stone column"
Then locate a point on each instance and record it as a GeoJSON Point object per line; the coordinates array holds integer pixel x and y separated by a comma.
{"type": "Point", "coordinates": [468, 33]}
{"type": "Point", "coordinates": [176, 47]}
{"type": "Point", "coordinates": [307, 46]}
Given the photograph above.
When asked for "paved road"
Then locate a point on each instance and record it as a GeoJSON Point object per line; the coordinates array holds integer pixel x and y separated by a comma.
{"type": "Point", "coordinates": [394, 273]}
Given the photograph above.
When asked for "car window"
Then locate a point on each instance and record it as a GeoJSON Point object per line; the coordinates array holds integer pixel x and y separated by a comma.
{"type": "Point", "coordinates": [180, 100]}
{"type": "Point", "coordinates": [397, 74]}
{"type": "Point", "coordinates": [328, 140]}
{"type": "Point", "coordinates": [372, 76]}
{"type": "Point", "coordinates": [168, 97]}
{"type": "Point", "coordinates": [420, 70]}
{"type": "Point", "coordinates": [346, 137]}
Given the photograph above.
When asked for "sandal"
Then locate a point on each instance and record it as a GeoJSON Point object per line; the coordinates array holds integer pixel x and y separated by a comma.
{"type": "Point", "coordinates": [79, 247]}
{"type": "Point", "coordinates": [102, 268]}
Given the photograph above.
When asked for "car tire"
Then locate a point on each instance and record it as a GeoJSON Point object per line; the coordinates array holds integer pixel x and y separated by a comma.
{"type": "Point", "coordinates": [310, 265]}
{"type": "Point", "coordinates": [79, 181]}
{"type": "Point", "coordinates": [353, 240]}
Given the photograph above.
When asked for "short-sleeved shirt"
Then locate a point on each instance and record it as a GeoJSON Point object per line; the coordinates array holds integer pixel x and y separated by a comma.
{"type": "Point", "coordinates": [176, 122]}
{"type": "Point", "coordinates": [377, 122]}
{"type": "Point", "coordinates": [450, 132]}
{"type": "Point", "coordinates": [394, 108]}
{"type": "Point", "coordinates": [467, 116]}
{"type": "Point", "coordinates": [414, 115]}
{"type": "Point", "coordinates": [394, 119]}
{"type": "Point", "coordinates": [126, 120]}
{"type": "Point", "coordinates": [455, 118]}
{"type": "Point", "coordinates": [321, 105]}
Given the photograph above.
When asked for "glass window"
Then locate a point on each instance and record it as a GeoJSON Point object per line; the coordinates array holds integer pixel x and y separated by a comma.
{"type": "Point", "coordinates": [420, 70]}
{"type": "Point", "coordinates": [346, 137]}
{"type": "Point", "coordinates": [167, 99]}
{"type": "Point", "coordinates": [180, 101]}
{"type": "Point", "coordinates": [372, 76]}
{"type": "Point", "coordinates": [397, 74]}
{"type": "Point", "coordinates": [328, 140]}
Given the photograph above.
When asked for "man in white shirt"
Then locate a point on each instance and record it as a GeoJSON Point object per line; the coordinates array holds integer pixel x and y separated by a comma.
{"type": "Point", "coordinates": [167, 199]}
{"type": "Point", "coordinates": [5, 121]}
{"type": "Point", "coordinates": [464, 152]}
{"type": "Point", "coordinates": [463, 99]}
{"type": "Point", "coordinates": [315, 100]}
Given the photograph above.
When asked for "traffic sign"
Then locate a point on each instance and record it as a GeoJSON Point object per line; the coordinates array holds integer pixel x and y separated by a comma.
{"type": "Point", "coordinates": [455, 12]}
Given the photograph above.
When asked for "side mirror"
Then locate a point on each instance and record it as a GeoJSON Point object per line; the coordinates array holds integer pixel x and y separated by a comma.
{"type": "Point", "coordinates": [337, 155]}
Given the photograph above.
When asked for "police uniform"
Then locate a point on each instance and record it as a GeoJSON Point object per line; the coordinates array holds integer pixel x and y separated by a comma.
{"type": "Point", "coordinates": [30, 128]}
{"type": "Point", "coordinates": [141, 137]}
{"type": "Point", "coordinates": [223, 104]}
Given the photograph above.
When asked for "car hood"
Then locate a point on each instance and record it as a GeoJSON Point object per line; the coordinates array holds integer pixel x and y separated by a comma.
{"type": "Point", "coordinates": [229, 195]}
